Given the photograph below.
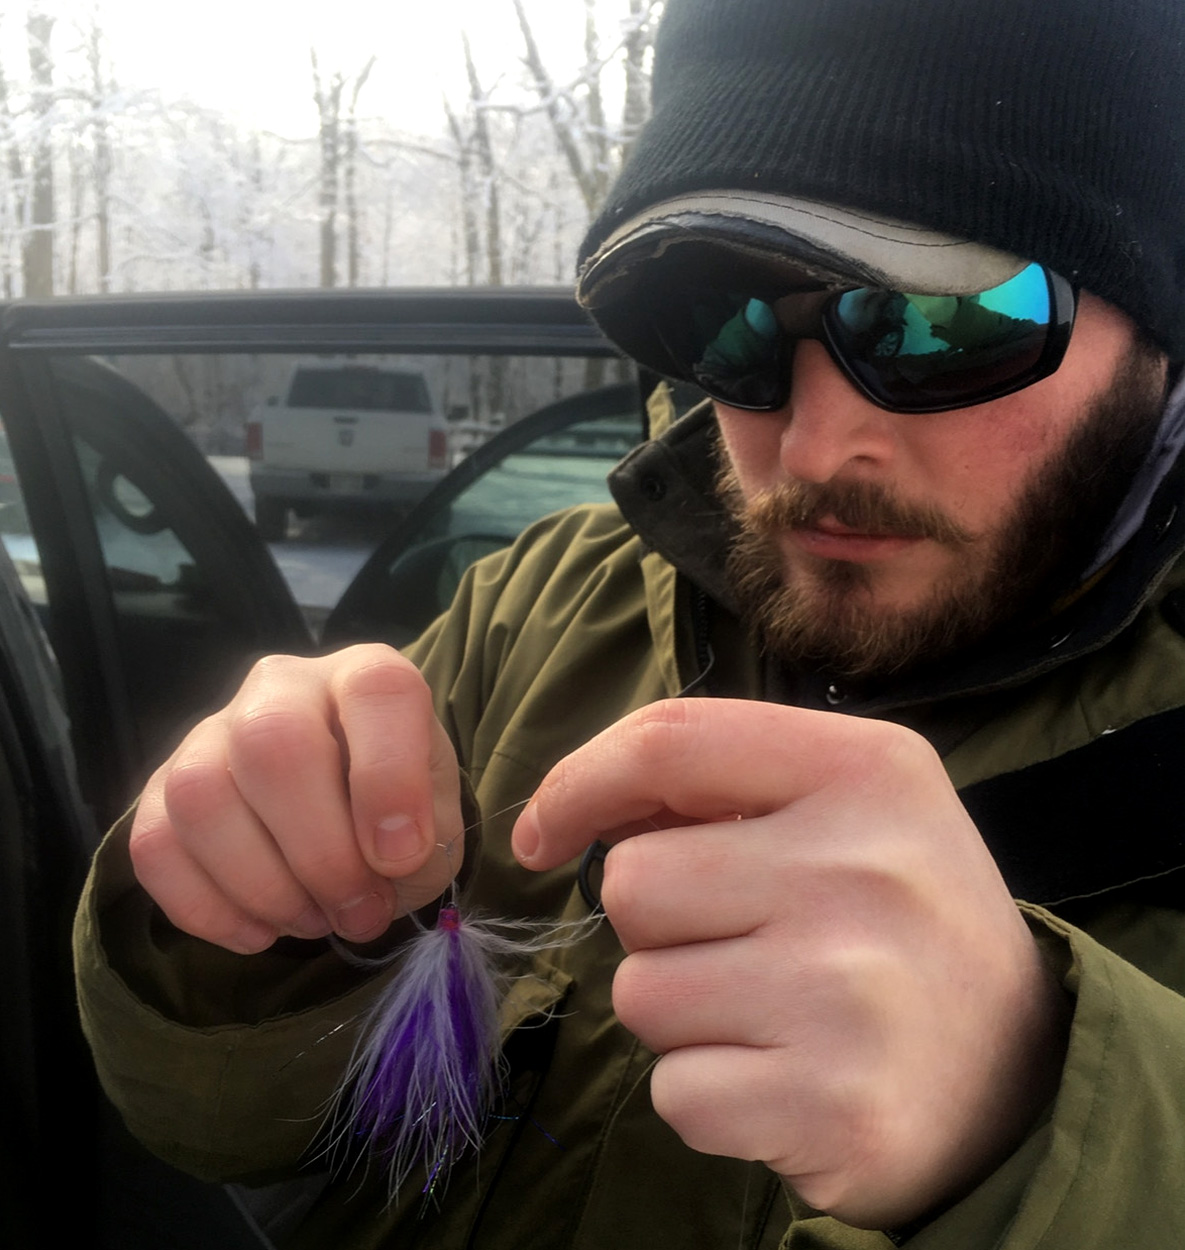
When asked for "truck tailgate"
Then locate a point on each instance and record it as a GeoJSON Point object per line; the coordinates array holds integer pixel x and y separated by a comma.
{"type": "Point", "coordinates": [354, 442]}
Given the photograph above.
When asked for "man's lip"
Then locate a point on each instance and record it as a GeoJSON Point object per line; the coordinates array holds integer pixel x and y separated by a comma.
{"type": "Point", "coordinates": [829, 525]}
{"type": "Point", "coordinates": [832, 540]}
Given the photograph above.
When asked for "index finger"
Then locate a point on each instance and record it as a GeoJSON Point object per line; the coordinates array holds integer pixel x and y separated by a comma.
{"type": "Point", "coordinates": [686, 761]}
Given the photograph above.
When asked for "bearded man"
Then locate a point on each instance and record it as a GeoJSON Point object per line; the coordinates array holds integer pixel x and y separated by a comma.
{"type": "Point", "coordinates": [872, 682]}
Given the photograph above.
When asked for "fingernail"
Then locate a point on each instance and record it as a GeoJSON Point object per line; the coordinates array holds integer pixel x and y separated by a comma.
{"type": "Point", "coordinates": [251, 938]}
{"type": "Point", "coordinates": [525, 838]}
{"type": "Point", "coordinates": [312, 923]}
{"type": "Point", "coordinates": [397, 838]}
{"type": "Point", "coordinates": [367, 916]}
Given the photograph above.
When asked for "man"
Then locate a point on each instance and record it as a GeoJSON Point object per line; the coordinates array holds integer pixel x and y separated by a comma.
{"type": "Point", "coordinates": [927, 261]}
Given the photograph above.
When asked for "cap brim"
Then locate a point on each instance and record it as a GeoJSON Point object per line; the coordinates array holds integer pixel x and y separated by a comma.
{"type": "Point", "coordinates": [826, 243]}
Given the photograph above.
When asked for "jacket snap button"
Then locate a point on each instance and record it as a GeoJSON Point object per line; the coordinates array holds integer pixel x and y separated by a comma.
{"type": "Point", "coordinates": [653, 487]}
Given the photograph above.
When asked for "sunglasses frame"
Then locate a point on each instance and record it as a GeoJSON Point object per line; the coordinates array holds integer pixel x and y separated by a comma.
{"type": "Point", "coordinates": [1063, 303]}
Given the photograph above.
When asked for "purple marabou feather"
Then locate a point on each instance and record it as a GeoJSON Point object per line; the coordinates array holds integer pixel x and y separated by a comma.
{"type": "Point", "coordinates": [426, 1070]}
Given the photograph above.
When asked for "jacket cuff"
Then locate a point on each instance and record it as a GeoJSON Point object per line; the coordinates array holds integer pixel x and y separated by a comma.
{"type": "Point", "coordinates": [1102, 1169]}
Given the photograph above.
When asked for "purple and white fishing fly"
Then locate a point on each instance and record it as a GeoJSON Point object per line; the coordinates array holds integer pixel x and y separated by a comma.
{"type": "Point", "coordinates": [427, 1068]}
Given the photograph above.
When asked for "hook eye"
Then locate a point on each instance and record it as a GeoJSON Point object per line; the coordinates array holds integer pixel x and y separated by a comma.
{"type": "Point", "coordinates": [590, 875]}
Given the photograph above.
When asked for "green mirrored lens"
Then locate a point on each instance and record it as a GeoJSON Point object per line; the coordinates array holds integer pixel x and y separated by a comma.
{"type": "Point", "coordinates": [737, 350]}
{"type": "Point", "coordinates": [910, 348]}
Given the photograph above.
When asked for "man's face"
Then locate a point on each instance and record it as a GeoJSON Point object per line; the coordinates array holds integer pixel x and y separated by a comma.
{"type": "Point", "coordinates": [872, 541]}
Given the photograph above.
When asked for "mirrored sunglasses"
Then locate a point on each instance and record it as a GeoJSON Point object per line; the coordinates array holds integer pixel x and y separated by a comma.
{"type": "Point", "coordinates": [906, 352]}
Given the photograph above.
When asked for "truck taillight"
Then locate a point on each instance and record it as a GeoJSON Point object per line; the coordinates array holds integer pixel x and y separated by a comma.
{"type": "Point", "coordinates": [437, 449]}
{"type": "Point", "coordinates": [255, 440]}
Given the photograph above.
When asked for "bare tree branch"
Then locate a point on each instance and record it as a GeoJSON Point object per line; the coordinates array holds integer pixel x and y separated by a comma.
{"type": "Point", "coordinates": [545, 89]}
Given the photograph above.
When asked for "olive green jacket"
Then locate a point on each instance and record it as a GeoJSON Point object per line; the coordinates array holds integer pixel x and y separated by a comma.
{"type": "Point", "coordinates": [224, 1065]}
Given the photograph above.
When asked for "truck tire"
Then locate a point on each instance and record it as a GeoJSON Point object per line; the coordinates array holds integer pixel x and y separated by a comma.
{"type": "Point", "coordinates": [271, 518]}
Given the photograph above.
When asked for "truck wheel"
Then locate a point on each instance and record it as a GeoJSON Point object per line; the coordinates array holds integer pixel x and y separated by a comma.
{"type": "Point", "coordinates": [271, 519]}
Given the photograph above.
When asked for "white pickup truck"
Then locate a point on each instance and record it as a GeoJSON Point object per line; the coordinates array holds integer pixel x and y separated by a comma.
{"type": "Point", "coordinates": [344, 435]}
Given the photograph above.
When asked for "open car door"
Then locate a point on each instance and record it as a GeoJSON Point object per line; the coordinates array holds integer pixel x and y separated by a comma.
{"type": "Point", "coordinates": [134, 593]}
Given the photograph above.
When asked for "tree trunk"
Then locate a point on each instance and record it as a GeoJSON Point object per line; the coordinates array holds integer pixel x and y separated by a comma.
{"type": "Point", "coordinates": [77, 197]}
{"type": "Point", "coordinates": [351, 172]}
{"type": "Point", "coordinates": [38, 250]}
{"type": "Point", "coordinates": [329, 112]}
{"type": "Point", "coordinates": [14, 201]}
{"type": "Point", "coordinates": [636, 106]}
{"type": "Point", "coordinates": [489, 171]}
{"type": "Point", "coordinates": [468, 197]}
{"type": "Point", "coordinates": [102, 159]}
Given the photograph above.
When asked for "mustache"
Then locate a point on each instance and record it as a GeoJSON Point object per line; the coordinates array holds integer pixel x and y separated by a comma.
{"type": "Point", "coordinates": [866, 507]}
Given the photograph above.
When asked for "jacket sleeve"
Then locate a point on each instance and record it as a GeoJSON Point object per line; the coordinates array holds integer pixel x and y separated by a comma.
{"type": "Point", "coordinates": [1103, 1170]}
{"type": "Point", "coordinates": [223, 1065]}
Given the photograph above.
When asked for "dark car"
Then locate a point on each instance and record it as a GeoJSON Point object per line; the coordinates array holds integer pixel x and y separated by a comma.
{"type": "Point", "coordinates": [135, 591]}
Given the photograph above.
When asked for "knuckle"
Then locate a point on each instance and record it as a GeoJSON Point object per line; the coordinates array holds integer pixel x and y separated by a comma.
{"type": "Point", "coordinates": [372, 670]}
{"type": "Point", "coordinates": [897, 751]}
{"type": "Point", "coordinates": [268, 667]}
{"type": "Point", "coordinates": [201, 915]}
{"type": "Point", "coordinates": [380, 767]}
{"type": "Point", "coordinates": [633, 995]}
{"type": "Point", "coordinates": [206, 916]}
{"type": "Point", "coordinates": [270, 673]}
{"type": "Point", "coordinates": [660, 731]}
{"type": "Point", "coordinates": [621, 889]}
{"type": "Point", "coordinates": [196, 792]}
{"type": "Point", "coordinates": [267, 738]}
{"type": "Point", "coordinates": [683, 1100]}
{"type": "Point", "coordinates": [152, 847]}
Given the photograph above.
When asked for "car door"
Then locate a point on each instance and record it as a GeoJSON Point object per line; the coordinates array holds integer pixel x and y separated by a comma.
{"type": "Point", "coordinates": [155, 591]}
{"type": "Point", "coordinates": [126, 553]}
{"type": "Point", "coordinates": [153, 585]}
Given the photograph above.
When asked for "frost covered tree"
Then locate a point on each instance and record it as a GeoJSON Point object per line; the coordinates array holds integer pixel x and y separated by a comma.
{"type": "Point", "coordinates": [537, 153]}
{"type": "Point", "coordinates": [111, 185]}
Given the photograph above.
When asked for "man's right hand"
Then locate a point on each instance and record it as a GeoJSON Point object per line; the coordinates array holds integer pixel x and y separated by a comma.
{"type": "Point", "coordinates": [321, 799]}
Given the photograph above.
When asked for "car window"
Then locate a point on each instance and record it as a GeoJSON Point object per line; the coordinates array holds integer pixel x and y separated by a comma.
{"type": "Point", "coordinates": [177, 514]}
{"type": "Point", "coordinates": [359, 388]}
{"type": "Point", "coordinates": [558, 458]}
{"type": "Point", "coordinates": [140, 564]}
{"type": "Point", "coordinates": [328, 455]}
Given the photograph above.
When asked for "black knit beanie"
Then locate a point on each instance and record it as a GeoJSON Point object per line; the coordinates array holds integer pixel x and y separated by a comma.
{"type": "Point", "coordinates": [1053, 130]}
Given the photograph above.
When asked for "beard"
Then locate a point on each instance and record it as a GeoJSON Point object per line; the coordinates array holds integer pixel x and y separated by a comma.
{"type": "Point", "coordinates": [1033, 558]}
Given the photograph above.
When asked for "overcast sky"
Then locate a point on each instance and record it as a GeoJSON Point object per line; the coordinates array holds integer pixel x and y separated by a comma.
{"type": "Point", "coordinates": [251, 57]}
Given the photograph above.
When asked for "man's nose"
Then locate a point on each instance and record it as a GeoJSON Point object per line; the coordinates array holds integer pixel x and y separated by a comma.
{"type": "Point", "coordinates": [829, 426]}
